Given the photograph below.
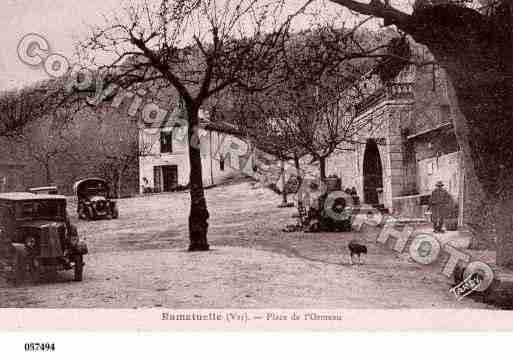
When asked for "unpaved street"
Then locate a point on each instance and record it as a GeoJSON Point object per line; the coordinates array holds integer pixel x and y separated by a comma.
{"type": "Point", "coordinates": [140, 260]}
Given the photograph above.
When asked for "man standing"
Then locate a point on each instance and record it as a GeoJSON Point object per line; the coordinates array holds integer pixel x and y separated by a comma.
{"type": "Point", "coordinates": [440, 200]}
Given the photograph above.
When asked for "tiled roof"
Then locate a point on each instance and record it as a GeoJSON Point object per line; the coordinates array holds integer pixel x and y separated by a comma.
{"type": "Point", "coordinates": [220, 126]}
{"type": "Point", "coordinates": [21, 196]}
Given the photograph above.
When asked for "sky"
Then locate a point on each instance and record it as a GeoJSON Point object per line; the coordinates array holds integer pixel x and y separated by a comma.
{"type": "Point", "coordinates": [60, 22]}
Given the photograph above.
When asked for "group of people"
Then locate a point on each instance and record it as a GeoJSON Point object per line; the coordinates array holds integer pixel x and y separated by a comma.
{"type": "Point", "coordinates": [440, 205]}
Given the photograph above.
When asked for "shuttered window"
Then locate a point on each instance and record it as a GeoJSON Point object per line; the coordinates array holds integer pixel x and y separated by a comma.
{"type": "Point", "coordinates": [166, 142]}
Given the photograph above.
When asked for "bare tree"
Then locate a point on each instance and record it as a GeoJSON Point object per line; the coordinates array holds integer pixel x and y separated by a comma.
{"type": "Point", "coordinates": [118, 148]}
{"type": "Point", "coordinates": [309, 111]}
{"type": "Point", "coordinates": [200, 48]}
{"type": "Point", "coordinates": [323, 87]}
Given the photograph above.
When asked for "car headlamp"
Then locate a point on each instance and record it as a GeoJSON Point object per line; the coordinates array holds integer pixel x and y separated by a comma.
{"type": "Point", "coordinates": [73, 240]}
{"type": "Point", "coordinates": [30, 242]}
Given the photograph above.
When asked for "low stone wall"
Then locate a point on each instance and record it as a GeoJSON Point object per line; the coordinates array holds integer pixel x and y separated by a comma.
{"type": "Point", "coordinates": [410, 206]}
{"type": "Point", "coordinates": [500, 292]}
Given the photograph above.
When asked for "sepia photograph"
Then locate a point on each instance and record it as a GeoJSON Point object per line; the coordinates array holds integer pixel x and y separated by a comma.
{"type": "Point", "coordinates": [275, 163]}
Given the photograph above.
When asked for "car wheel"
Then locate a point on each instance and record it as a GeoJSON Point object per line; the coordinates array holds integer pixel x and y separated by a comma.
{"type": "Point", "coordinates": [91, 214]}
{"type": "Point", "coordinates": [35, 273]}
{"type": "Point", "coordinates": [79, 268]}
{"type": "Point", "coordinates": [82, 214]}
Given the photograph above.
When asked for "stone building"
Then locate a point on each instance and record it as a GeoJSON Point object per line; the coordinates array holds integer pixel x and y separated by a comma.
{"type": "Point", "coordinates": [407, 145]}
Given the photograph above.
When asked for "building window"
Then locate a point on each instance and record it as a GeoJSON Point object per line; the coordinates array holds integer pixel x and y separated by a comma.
{"type": "Point", "coordinates": [445, 113]}
{"type": "Point", "coordinates": [221, 163]}
{"type": "Point", "coordinates": [3, 184]}
{"type": "Point", "coordinates": [166, 142]}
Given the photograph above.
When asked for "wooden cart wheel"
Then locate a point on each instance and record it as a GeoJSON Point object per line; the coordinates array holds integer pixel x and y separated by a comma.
{"type": "Point", "coordinates": [79, 268]}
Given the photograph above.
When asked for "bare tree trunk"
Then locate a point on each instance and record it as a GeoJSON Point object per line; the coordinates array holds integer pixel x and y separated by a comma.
{"type": "Point", "coordinates": [119, 183]}
{"type": "Point", "coordinates": [482, 228]}
{"type": "Point", "coordinates": [113, 180]}
{"type": "Point", "coordinates": [198, 217]}
{"type": "Point", "coordinates": [211, 159]}
{"type": "Point", "coordinates": [477, 54]}
{"type": "Point", "coordinates": [299, 175]}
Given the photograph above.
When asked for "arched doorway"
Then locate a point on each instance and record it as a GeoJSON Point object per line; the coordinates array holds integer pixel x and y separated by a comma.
{"type": "Point", "coordinates": [372, 173]}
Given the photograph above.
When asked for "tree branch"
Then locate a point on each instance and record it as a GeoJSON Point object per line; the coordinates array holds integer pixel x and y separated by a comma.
{"type": "Point", "coordinates": [378, 9]}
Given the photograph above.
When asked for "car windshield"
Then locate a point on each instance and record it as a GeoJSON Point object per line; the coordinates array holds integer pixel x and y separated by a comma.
{"type": "Point", "coordinates": [41, 209]}
{"type": "Point", "coordinates": [96, 191]}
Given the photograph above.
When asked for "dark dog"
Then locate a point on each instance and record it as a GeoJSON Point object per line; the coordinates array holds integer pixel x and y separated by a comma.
{"type": "Point", "coordinates": [356, 248]}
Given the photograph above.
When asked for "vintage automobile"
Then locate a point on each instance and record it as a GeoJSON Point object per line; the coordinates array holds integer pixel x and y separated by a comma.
{"type": "Point", "coordinates": [44, 190]}
{"type": "Point", "coordinates": [37, 237]}
{"type": "Point", "coordinates": [94, 202]}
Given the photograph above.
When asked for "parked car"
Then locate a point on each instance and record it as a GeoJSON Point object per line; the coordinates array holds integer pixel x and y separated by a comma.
{"type": "Point", "coordinates": [44, 190]}
{"type": "Point", "coordinates": [94, 202]}
{"type": "Point", "coordinates": [36, 235]}
{"type": "Point", "coordinates": [330, 212]}
{"type": "Point", "coordinates": [337, 211]}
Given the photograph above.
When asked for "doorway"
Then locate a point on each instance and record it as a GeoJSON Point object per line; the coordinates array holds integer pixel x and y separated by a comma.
{"type": "Point", "coordinates": [372, 173]}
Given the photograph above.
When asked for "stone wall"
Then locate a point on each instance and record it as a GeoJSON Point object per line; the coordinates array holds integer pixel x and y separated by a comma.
{"type": "Point", "coordinates": [345, 164]}
{"type": "Point", "coordinates": [443, 168]}
{"type": "Point", "coordinates": [410, 206]}
{"type": "Point", "coordinates": [11, 177]}
{"type": "Point", "coordinates": [405, 161]}
{"type": "Point", "coordinates": [92, 136]}
{"type": "Point", "coordinates": [216, 147]}
{"type": "Point", "coordinates": [477, 212]}
{"type": "Point", "coordinates": [432, 106]}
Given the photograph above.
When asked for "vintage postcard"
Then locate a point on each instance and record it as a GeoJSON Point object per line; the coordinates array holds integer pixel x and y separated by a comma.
{"type": "Point", "coordinates": [256, 164]}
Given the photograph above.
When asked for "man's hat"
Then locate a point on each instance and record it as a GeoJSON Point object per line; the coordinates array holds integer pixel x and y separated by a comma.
{"type": "Point", "coordinates": [439, 184]}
